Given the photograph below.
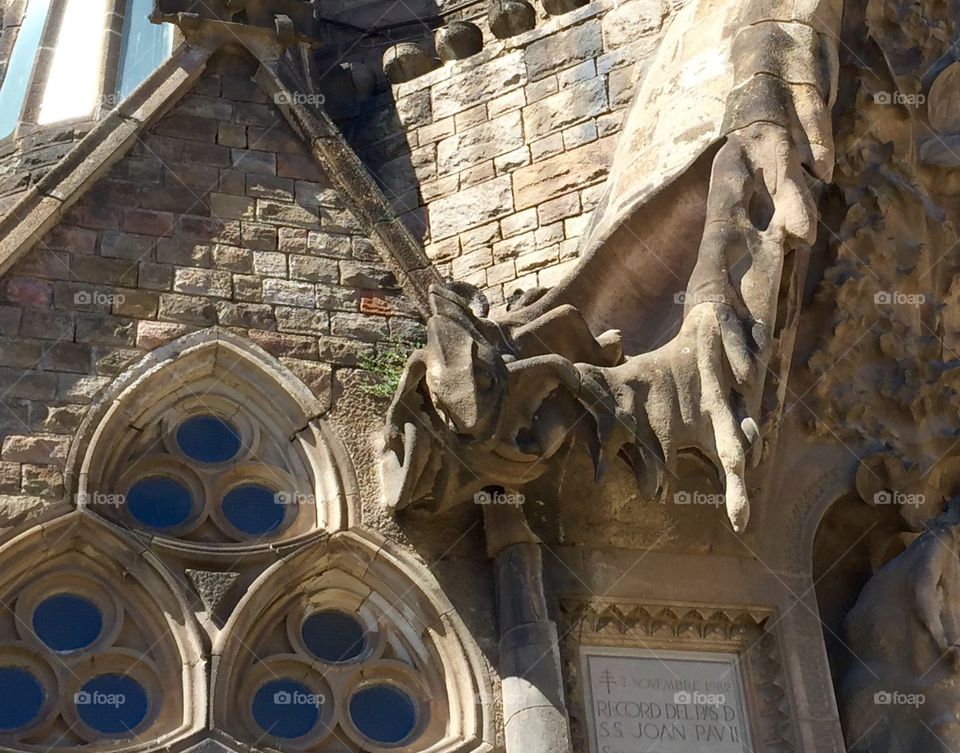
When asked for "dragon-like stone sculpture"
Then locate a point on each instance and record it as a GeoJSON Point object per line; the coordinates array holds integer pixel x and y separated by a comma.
{"type": "Point", "coordinates": [713, 195]}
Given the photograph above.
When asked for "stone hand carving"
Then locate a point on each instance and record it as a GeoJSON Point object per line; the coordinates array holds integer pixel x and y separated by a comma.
{"type": "Point", "coordinates": [902, 690]}
{"type": "Point", "coordinates": [500, 399]}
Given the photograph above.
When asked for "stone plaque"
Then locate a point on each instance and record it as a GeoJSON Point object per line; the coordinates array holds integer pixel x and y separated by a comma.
{"type": "Point", "coordinates": [645, 701]}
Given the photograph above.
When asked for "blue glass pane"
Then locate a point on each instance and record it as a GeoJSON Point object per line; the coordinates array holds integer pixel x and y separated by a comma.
{"type": "Point", "coordinates": [383, 713]}
{"type": "Point", "coordinates": [145, 45]}
{"type": "Point", "coordinates": [333, 636]}
{"type": "Point", "coordinates": [14, 86]}
{"type": "Point", "coordinates": [286, 708]}
{"type": "Point", "coordinates": [253, 509]}
{"type": "Point", "coordinates": [66, 622]}
{"type": "Point", "coordinates": [112, 704]}
{"type": "Point", "coordinates": [160, 502]}
{"type": "Point", "coordinates": [208, 439]}
{"type": "Point", "coordinates": [22, 696]}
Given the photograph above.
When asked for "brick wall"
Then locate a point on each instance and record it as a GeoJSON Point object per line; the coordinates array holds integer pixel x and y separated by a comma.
{"type": "Point", "coordinates": [217, 217]}
{"type": "Point", "coordinates": [497, 161]}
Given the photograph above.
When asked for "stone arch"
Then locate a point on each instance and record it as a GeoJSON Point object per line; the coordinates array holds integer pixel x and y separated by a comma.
{"type": "Point", "coordinates": [147, 633]}
{"type": "Point", "coordinates": [412, 637]}
{"type": "Point", "coordinates": [217, 370]}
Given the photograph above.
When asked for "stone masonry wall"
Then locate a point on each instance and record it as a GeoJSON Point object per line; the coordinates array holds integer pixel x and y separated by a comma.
{"type": "Point", "coordinates": [498, 160]}
{"type": "Point", "coordinates": [217, 217]}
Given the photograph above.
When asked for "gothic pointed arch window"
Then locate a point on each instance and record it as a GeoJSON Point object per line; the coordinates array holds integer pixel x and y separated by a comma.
{"type": "Point", "coordinates": [317, 634]}
{"type": "Point", "coordinates": [350, 648]}
{"type": "Point", "coordinates": [97, 650]}
{"type": "Point", "coordinates": [210, 442]}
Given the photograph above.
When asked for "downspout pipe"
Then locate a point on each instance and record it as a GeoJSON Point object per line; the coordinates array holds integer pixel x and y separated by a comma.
{"type": "Point", "coordinates": [535, 714]}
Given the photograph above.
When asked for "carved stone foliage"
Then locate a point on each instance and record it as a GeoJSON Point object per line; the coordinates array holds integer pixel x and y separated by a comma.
{"type": "Point", "coordinates": [887, 376]}
{"type": "Point", "coordinates": [748, 633]}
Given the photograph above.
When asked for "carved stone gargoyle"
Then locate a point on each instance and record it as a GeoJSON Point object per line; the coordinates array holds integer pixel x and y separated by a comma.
{"type": "Point", "coordinates": [712, 196]}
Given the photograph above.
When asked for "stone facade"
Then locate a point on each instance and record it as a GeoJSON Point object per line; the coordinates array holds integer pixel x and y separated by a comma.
{"type": "Point", "coordinates": [576, 378]}
{"type": "Point", "coordinates": [217, 217]}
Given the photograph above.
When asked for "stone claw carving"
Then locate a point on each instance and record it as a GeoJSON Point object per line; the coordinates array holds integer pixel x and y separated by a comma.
{"type": "Point", "coordinates": [502, 398]}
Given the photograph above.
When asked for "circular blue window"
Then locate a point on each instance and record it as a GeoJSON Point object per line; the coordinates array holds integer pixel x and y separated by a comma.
{"type": "Point", "coordinates": [286, 708]}
{"type": "Point", "coordinates": [160, 502]}
{"type": "Point", "coordinates": [333, 636]}
{"type": "Point", "coordinates": [208, 439]}
{"type": "Point", "coordinates": [22, 696]}
{"type": "Point", "coordinates": [112, 704]}
{"type": "Point", "coordinates": [383, 713]}
{"type": "Point", "coordinates": [66, 622]}
{"type": "Point", "coordinates": [254, 509]}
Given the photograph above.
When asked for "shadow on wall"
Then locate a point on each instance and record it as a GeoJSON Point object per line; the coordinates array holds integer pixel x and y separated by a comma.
{"type": "Point", "coordinates": [854, 540]}
{"type": "Point", "coordinates": [359, 98]}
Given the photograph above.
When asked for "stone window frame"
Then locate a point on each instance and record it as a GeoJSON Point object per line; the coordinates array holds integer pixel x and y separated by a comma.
{"type": "Point", "coordinates": [416, 644]}
{"type": "Point", "coordinates": [210, 482]}
{"type": "Point", "coordinates": [111, 50]}
{"type": "Point", "coordinates": [214, 371]}
{"type": "Point", "coordinates": [750, 633]}
{"type": "Point", "coordinates": [78, 554]}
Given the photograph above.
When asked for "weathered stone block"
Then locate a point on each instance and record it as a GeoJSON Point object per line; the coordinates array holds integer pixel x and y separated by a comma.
{"type": "Point", "coordinates": [572, 105]}
{"type": "Point", "coordinates": [304, 321]}
{"type": "Point", "coordinates": [559, 51]}
{"type": "Point", "coordinates": [139, 304]}
{"type": "Point", "coordinates": [314, 268]}
{"type": "Point", "coordinates": [624, 23]}
{"type": "Point", "coordinates": [247, 315]}
{"type": "Point", "coordinates": [229, 207]}
{"type": "Point", "coordinates": [188, 309]}
{"type": "Point", "coordinates": [480, 143]}
{"type": "Point", "coordinates": [562, 174]}
{"type": "Point", "coordinates": [285, 213]}
{"type": "Point", "coordinates": [479, 84]}
{"type": "Point", "coordinates": [289, 293]}
{"type": "Point", "coordinates": [359, 326]}
{"type": "Point", "coordinates": [213, 282]}
{"type": "Point", "coordinates": [36, 449]}
{"type": "Point", "coordinates": [329, 244]}
{"type": "Point", "coordinates": [253, 161]}
{"type": "Point", "coordinates": [152, 335]}
{"type": "Point", "coordinates": [104, 330]}
{"type": "Point", "coordinates": [147, 222]}
{"type": "Point", "coordinates": [467, 209]}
